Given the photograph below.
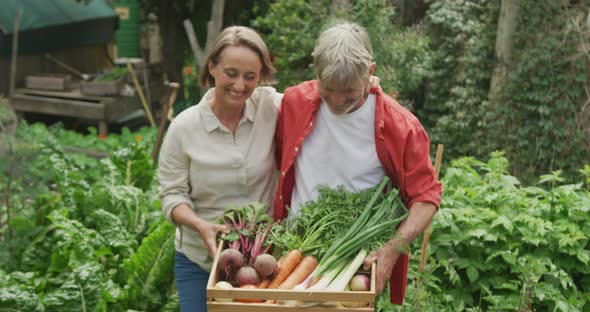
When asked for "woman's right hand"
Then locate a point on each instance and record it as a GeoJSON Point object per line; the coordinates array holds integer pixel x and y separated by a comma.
{"type": "Point", "coordinates": [185, 215]}
{"type": "Point", "coordinates": [209, 233]}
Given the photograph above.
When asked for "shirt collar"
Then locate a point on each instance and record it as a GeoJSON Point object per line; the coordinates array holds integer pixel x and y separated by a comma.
{"type": "Point", "coordinates": [212, 122]}
{"type": "Point", "coordinates": [314, 95]}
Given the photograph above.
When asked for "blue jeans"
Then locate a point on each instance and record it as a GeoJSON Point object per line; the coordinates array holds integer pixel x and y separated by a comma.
{"type": "Point", "coordinates": [191, 282]}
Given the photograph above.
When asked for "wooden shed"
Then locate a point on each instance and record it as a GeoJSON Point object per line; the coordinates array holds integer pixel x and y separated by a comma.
{"type": "Point", "coordinates": [61, 38]}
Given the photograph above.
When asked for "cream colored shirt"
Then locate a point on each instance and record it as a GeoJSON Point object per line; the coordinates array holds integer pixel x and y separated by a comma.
{"type": "Point", "coordinates": [202, 165]}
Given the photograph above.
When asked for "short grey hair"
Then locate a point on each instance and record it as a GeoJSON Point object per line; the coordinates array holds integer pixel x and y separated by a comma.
{"type": "Point", "coordinates": [343, 55]}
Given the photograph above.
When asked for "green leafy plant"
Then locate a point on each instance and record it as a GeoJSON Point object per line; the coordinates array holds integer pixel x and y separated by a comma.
{"type": "Point", "coordinates": [290, 29]}
{"type": "Point", "coordinates": [497, 244]}
{"type": "Point", "coordinates": [151, 267]}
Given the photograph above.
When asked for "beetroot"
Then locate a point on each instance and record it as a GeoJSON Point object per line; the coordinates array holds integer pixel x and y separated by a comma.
{"type": "Point", "coordinates": [229, 261]}
{"type": "Point", "coordinates": [265, 265]}
{"type": "Point", "coordinates": [247, 276]}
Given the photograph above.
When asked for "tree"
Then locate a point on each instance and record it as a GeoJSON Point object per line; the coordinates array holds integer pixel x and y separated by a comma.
{"type": "Point", "coordinates": [509, 12]}
{"type": "Point", "coordinates": [213, 30]}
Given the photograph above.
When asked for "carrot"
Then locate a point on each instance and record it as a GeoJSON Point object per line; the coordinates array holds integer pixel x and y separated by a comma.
{"type": "Point", "coordinates": [265, 282]}
{"type": "Point", "coordinates": [291, 260]}
{"type": "Point", "coordinates": [300, 273]}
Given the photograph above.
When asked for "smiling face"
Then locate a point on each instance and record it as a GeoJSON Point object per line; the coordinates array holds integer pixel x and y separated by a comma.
{"type": "Point", "coordinates": [236, 73]}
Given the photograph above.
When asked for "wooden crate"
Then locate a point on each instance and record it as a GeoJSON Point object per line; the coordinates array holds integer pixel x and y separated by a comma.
{"type": "Point", "coordinates": [102, 88]}
{"type": "Point", "coordinates": [53, 82]}
{"type": "Point", "coordinates": [308, 298]}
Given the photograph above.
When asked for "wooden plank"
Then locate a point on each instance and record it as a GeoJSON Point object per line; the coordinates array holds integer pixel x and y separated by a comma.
{"type": "Point", "coordinates": [72, 94]}
{"type": "Point", "coordinates": [213, 276]}
{"type": "Point", "coordinates": [48, 82]}
{"type": "Point", "coordinates": [287, 294]}
{"type": "Point", "coordinates": [102, 88]}
{"type": "Point", "coordinates": [60, 107]}
{"type": "Point", "coordinates": [263, 307]}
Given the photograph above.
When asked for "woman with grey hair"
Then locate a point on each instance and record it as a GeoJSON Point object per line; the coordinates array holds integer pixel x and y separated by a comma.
{"type": "Point", "coordinates": [218, 154]}
{"type": "Point", "coordinates": [338, 130]}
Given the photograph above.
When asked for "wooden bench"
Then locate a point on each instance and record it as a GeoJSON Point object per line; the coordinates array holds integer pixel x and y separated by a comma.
{"type": "Point", "coordinates": [74, 104]}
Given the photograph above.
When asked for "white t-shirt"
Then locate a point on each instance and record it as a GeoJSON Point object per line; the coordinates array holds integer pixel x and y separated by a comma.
{"type": "Point", "coordinates": [340, 150]}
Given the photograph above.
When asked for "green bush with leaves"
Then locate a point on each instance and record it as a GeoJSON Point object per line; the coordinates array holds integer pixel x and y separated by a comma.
{"type": "Point", "coordinates": [403, 55]}
{"type": "Point", "coordinates": [499, 245]}
{"type": "Point", "coordinates": [290, 29]}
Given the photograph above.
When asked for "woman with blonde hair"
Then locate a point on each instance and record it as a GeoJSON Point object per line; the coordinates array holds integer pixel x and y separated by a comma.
{"type": "Point", "coordinates": [219, 153]}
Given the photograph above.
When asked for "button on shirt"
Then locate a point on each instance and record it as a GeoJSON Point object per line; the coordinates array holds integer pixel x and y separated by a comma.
{"type": "Point", "coordinates": [204, 166]}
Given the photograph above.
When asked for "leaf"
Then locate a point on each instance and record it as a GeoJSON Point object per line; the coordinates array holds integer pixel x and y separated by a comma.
{"type": "Point", "coordinates": [505, 222]}
{"type": "Point", "coordinates": [151, 267]}
{"type": "Point", "coordinates": [472, 273]}
{"type": "Point", "coordinates": [82, 291]}
{"type": "Point", "coordinates": [113, 230]}
{"type": "Point", "coordinates": [477, 233]}
{"type": "Point", "coordinates": [17, 292]}
{"type": "Point", "coordinates": [583, 256]}
{"type": "Point", "coordinates": [21, 225]}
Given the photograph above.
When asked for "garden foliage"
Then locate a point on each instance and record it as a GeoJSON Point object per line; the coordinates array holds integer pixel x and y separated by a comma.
{"type": "Point", "coordinates": [83, 234]}
{"type": "Point", "coordinates": [498, 245]}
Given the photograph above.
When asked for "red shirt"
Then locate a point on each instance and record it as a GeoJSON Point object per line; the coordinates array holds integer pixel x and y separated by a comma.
{"type": "Point", "coordinates": [402, 147]}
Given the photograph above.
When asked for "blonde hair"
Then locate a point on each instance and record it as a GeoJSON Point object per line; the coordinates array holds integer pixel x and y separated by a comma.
{"type": "Point", "coordinates": [238, 36]}
{"type": "Point", "coordinates": [343, 55]}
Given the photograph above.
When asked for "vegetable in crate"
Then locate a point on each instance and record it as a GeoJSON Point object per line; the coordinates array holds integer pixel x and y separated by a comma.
{"type": "Point", "coordinates": [247, 239]}
{"type": "Point", "coordinates": [314, 230]}
{"type": "Point", "coordinates": [336, 230]}
{"type": "Point", "coordinates": [375, 226]}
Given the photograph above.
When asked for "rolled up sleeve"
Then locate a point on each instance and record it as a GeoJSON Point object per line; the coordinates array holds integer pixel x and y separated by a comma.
{"type": "Point", "coordinates": [419, 175]}
{"type": "Point", "coordinates": [174, 174]}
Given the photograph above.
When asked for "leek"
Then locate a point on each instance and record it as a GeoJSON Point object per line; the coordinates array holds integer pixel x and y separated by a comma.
{"type": "Point", "coordinates": [344, 277]}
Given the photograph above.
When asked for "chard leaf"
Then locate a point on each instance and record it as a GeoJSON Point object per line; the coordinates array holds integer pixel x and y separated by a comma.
{"type": "Point", "coordinates": [17, 292]}
{"type": "Point", "coordinates": [113, 230]}
{"type": "Point", "coordinates": [151, 267]}
{"type": "Point", "coordinates": [82, 291]}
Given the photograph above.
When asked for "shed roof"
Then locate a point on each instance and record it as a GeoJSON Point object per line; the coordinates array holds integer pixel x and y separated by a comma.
{"type": "Point", "coordinates": [50, 24]}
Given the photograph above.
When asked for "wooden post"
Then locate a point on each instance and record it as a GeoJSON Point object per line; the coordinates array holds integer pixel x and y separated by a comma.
{"type": "Point", "coordinates": [437, 163]}
{"type": "Point", "coordinates": [174, 89]}
{"type": "Point", "coordinates": [14, 52]}
{"type": "Point", "coordinates": [146, 105]}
